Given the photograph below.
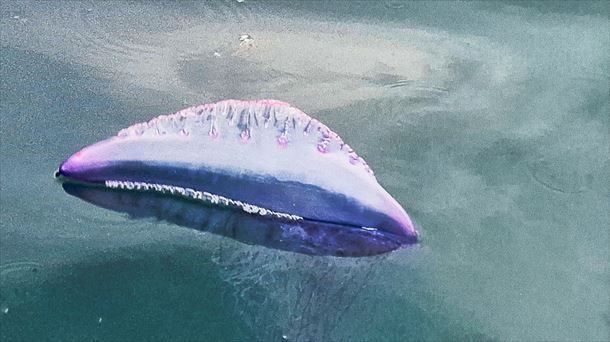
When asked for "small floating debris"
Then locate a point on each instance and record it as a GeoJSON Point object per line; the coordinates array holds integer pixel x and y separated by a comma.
{"type": "Point", "coordinates": [246, 40]}
{"type": "Point", "coordinates": [99, 320]}
{"type": "Point", "coordinates": [18, 16]}
{"type": "Point", "coordinates": [4, 309]}
{"type": "Point", "coordinates": [18, 268]}
{"type": "Point", "coordinates": [394, 5]}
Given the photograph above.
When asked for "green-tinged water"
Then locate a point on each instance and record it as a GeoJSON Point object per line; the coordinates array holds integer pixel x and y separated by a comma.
{"type": "Point", "coordinates": [487, 121]}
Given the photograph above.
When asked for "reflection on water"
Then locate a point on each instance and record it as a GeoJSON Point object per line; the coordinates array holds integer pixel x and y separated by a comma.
{"type": "Point", "coordinates": [487, 121]}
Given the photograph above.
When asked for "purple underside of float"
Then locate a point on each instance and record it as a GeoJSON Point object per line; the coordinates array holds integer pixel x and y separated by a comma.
{"type": "Point", "coordinates": [290, 197]}
{"type": "Point", "coordinates": [264, 153]}
{"type": "Point", "coordinates": [301, 236]}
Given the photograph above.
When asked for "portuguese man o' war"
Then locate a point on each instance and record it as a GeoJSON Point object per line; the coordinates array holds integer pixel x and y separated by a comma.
{"type": "Point", "coordinates": [262, 172]}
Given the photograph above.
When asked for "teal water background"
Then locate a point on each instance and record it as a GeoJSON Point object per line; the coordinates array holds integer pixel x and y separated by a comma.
{"type": "Point", "coordinates": [488, 121]}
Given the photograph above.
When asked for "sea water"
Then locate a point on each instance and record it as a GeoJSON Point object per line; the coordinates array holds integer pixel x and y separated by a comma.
{"type": "Point", "coordinates": [487, 121]}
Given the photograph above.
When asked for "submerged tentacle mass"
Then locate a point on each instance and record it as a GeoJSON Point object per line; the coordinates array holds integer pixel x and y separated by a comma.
{"type": "Point", "coordinates": [311, 297]}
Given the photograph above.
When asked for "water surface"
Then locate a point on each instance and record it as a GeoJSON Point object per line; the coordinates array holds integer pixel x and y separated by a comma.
{"type": "Point", "coordinates": [487, 121]}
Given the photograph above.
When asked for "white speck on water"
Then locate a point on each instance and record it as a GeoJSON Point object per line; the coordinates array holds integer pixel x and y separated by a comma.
{"type": "Point", "coordinates": [246, 40]}
{"type": "Point", "coordinates": [4, 309]}
{"type": "Point", "coordinates": [99, 320]}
